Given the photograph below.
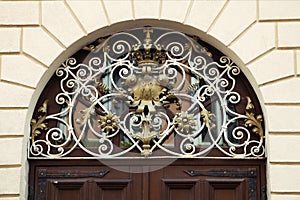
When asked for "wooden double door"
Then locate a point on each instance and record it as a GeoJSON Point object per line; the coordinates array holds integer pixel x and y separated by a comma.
{"type": "Point", "coordinates": [181, 180]}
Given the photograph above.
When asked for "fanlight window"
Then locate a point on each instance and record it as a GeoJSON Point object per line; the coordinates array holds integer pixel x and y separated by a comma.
{"type": "Point", "coordinates": [147, 92]}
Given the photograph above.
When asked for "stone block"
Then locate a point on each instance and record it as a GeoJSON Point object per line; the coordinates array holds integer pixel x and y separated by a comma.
{"type": "Point", "coordinates": [10, 198]}
{"type": "Point", "coordinates": [143, 9]}
{"type": "Point", "coordinates": [288, 34]}
{"type": "Point", "coordinates": [280, 148]}
{"type": "Point", "coordinates": [203, 13]}
{"type": "Point", "coordinates": [174, 10]}
{"type": "Point", "coordinates": [59, 21]}
{"type": "Point", "coordinates": [285, 196]}
{"type": "Point", "coordinates": [10, 39]}
{"type": "Point", "coordinates": [234, 19]}
{"type": "Point", "coordinates": [19, 13]}
{"type": "Point", "coordinates": [283, 118]}
{"type": "Point", "coordinates": [272, 66]}
{"type": "Point", "coordinates": [10, 183]}
{"type": "Point", "coordinates": [12, 122]}
{"type": "Point", "coordinates": [118, 10]}
{"type": "Point", "coordinates": [90, 14]}
{"type": "Point", "coordinates": [14, 96]}
{"type": "Point", "coordinates": [285, 91]}
{"type": "Point", "coordinates": [279, 10]}
{"type": "Point", "coordinates": [38, 44]}
{"type": "Point", "coordinates": [285, 178]}
{"type": "Point", "coordinates": [20, 69]}
{"type": "Point", "coordinates": [255, 41]}
{"type": "Point", "coordinates": [11, 151]}
{"type": "Point", "coordinates": [298, 62]}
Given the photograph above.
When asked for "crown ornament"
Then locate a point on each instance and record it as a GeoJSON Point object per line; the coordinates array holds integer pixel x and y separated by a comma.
{"type": "Point", "coordinates": [148, 53]}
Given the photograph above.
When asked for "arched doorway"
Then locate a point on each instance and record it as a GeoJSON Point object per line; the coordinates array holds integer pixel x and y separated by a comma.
{"type": "Point", "coordinates": [147, 113]}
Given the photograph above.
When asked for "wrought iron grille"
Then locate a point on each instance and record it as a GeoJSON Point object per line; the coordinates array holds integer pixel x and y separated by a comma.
{"type": "Point", "coordinates": [147, 92]}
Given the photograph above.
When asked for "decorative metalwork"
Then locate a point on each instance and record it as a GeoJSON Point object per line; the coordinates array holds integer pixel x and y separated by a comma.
{"type": "Point", "coordinates": [253, 122]}
{"type": "Point", "coordinates": [239, 173]}
{"type": "Point", "coordinates": [46, 173]}
{"type": "Point", "coordinates": [39, 125]}
{"type": "Point", "coordinates": [148, 92]}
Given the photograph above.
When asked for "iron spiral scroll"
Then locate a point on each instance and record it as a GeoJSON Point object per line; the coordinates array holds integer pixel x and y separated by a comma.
{"type": "Point", "coordinates": [148, 92]}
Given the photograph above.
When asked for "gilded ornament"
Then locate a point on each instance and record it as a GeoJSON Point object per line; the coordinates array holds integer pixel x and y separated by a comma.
{"type": "Point", "coordinates": [146, 135]}
{"type": "Point", "coordinates": [108, 122]}
{"type": "Point", "coordinates": [131, 81]}
{"type": "Point", "coordinates": [102, 88]}
{"type": "Point", "coordinates": [205, 51]}
{"type": "Point", "coordinates": [253, 122]}
{"type": "Point", "coordinates": [207, 116]}
{"type": "Point", "coordinates": [89, 48]}
{"type": "Point", "coordinates": [39, 125]}
{"type": "Point", "coordinates": [185, 122]}
{"type": "Point", "coordinates": [200, 49]}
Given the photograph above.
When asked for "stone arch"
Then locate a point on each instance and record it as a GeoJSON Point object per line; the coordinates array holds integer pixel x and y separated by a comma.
{"type": "Point", "coordinates": [264, 37]}
{"type": "Point", "coordinates": [118, 27]}
{"type": "Point", "coordinates": [59, 47]}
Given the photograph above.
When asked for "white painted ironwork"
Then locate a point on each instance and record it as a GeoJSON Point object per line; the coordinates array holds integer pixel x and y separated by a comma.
{"type": "Point", "coordinates": [148, 92]}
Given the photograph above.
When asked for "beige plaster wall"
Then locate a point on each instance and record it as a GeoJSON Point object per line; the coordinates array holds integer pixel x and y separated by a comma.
{"type": "Point", "coordinates": [263, 36]}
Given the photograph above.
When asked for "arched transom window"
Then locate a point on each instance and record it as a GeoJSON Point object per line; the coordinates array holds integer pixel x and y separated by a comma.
{"type": "Point", "coordinates": [147, 92]}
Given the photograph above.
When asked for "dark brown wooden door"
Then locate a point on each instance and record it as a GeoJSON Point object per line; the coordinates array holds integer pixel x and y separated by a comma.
{"type": "Point", "coordinates": [198, 182]}
{"type": "Point", "coordinates": [85, 183]}
{"type": "Point", "coordinates": [182, 180]}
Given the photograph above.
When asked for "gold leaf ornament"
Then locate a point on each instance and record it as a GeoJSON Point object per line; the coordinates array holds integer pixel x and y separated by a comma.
{"type": "Point", "coordinates": [38, 125]}
{"type": "Point", "coordinates": [253, 122]}
{"type": "Point", "coordinates": [207, 116]}
{"type": "Point", "coordinates": [108, 122]}
{"type": "Point", "coordinates": [185, 122]}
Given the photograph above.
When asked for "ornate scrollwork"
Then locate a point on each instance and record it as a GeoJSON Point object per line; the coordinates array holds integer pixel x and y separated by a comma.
{"type": "Point", "coordinates": [147, 90]}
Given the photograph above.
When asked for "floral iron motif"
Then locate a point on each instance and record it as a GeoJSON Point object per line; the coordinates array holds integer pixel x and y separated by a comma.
{"type": "Point", "coordinates": [108, 122]}
{"type": "Point", "coordinates": [255, 123]}
{"type": "Point", "coordinates": [147, 90]}
{"type": "Point", "coordinates": [39, 125]}
{"type": "Point", "coordinates": [185, 122]}
{"type": "Point", "coordinates": [207, 115]}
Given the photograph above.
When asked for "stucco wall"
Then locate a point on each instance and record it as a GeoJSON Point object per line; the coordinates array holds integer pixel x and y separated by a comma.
{"type": "Point", "coordinates": [262, 36]}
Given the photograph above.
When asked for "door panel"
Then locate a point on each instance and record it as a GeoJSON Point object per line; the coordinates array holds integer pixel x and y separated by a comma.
{"type": "Point", "coordinates": [239, 184]}
{"type": "Point", "coordinates": [226, 189]}
{"type": "Point", "coordinates": [113, 189]}
{"type": "Point", "coordinates": [67, 189]}
{"type": "Point", "coordinates": [205, 182]}
{"type": "Point", "coordinates": [178, 189]}
{"type": "Point", "coordinates": [86, 183]}
{"type": "Point", "coordinates": [181, 180]}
